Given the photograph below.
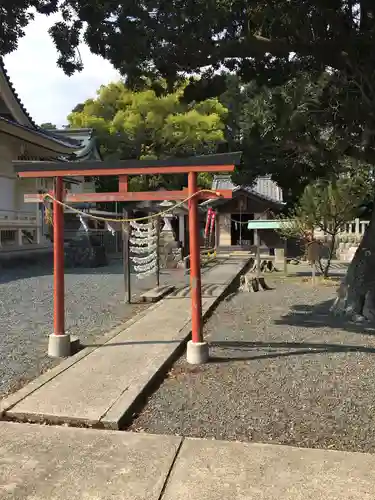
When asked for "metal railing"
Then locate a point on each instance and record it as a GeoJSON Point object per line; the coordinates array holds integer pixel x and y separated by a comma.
{"type": "Point", "coordinates": [355, 228]}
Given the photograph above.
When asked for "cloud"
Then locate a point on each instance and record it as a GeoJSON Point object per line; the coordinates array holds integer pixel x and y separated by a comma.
{"type": "Point", "coordinates": [46, 92]}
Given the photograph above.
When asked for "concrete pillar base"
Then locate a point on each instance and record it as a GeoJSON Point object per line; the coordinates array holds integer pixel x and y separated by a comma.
{"type": "Point", "coordinates": [59, 346]}
{"type": "Point", "coordinates": [197, 353]}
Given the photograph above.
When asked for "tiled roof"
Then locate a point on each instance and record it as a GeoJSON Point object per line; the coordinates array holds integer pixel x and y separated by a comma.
{"type": "Point", "coordinates": [264, 187]}
{"type": "Point", "coordinates": [84, 138]}
{"type": "Point", "coordinates": [40, 132]}
{"type": "Point", "coordinates": [80, 141]}
{"type": "Point", "coordinates": [17, 97]}
{"type": "Point", "coordinates": [30, 124]}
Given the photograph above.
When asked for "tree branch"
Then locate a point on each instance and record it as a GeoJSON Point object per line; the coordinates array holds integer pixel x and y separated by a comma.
{"type": "Point", "coordinates": [363, 155]}
{"type": "Point", "coordinates": [329, 53]}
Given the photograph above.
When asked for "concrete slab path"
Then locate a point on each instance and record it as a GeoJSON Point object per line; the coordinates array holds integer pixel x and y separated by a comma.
{"type": "Point", "coordinates": [221, 470]}
{"type": "Point", "coordinates": [100, 385]}
{"type": "Point", "coordinates": [62, 463]}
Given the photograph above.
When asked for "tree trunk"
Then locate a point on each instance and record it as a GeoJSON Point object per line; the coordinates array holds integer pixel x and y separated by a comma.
{"type": "Point", "coordinates": [356, 294]}
{"type": "Point", "coordinates": [331, 250]}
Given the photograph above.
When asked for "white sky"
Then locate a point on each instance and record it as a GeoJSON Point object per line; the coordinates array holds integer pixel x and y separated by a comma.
{"type": "Point", "coordinates": [46, 92]}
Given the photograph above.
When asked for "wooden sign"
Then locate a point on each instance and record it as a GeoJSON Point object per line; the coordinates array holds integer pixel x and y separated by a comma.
{"type": "Point", "coordinates": [313, 252]}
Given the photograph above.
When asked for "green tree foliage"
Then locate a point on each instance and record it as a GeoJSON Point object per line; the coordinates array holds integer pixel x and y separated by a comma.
{"type": "Point", "coordinates": [281, 133]}
{"type": "Point", "coordinates": [272, 42]}
{"type": "Point", "coordinates": [48, 126]}
{"type": "Point", "coordinates": [327, 206]}
{"type": "Point", "coordinates": [141, 124]}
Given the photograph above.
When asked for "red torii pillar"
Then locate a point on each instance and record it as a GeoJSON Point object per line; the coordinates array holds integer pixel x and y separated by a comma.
{"type": "Point", "coordinates": [197, 350]}
{"type": "Point", "coordinates": [58, 259]}
{"type": "Point", "coordinates": [59, 341]}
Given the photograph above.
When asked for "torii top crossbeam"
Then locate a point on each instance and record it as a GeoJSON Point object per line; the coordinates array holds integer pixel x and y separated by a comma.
{"type": "Point", "coordinates": [223, 162]}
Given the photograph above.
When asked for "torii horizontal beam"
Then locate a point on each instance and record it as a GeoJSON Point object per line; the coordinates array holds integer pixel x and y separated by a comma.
{"type": "Point", "coordinates": [120, 171]}
{"type": "Point", "coordinates": [130, 196]}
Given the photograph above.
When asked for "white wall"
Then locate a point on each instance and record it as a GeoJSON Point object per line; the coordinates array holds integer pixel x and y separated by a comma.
{"type": "Point", "coordinates": [13, 189]}
{"type": "Point", "coordinates": [7, 178]}
{"type": "Point", "coordinates": [83, 187]}
{"type": "Point", "coordinates": [7, 197]}
{"type": "Point", "coordinates": [22, 187]}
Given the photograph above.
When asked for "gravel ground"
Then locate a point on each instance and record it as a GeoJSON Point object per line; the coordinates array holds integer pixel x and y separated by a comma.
{"type": "Point", "coordinates": [94, 305]}
{"type": "Point", "coordinates": [283, 371]}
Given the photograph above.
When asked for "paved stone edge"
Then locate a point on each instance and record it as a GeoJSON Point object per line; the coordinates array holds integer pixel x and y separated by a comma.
{"type": "Point", "coordinates": [122, 412]}
{"type": "Point", "coordinates": [8, 402]}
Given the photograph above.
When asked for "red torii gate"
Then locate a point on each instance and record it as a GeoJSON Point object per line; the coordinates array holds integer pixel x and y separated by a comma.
{"type": "Point", "coordinates": [59, 341]}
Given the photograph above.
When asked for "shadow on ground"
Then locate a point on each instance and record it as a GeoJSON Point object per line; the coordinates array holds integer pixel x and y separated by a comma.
{"type": "Point", "coordinates": [115, 266]}
{"type": "Point", "coordinates": [316, 316]}
{"type": "Point", "coordinates": [25, 270]}
{"type": "Point", "coordinates": [38, 271]}
{"type": "Point", "coordinates": [266, 350]}
{"type": "Point", "coordinates": [307, 274]}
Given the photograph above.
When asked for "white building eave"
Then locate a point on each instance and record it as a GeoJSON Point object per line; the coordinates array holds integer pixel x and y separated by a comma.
{"type": "Point", "coordinates": [35, 137]}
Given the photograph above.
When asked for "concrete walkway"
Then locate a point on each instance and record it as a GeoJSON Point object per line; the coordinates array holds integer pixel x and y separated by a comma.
{"type": "Point", "coordinates": [101, 385]}
{"type": "Point", "coordinates": [61, 463]}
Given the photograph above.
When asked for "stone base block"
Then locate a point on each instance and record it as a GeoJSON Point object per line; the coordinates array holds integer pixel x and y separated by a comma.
{"type": "Point", "coordinates": [197, 353]}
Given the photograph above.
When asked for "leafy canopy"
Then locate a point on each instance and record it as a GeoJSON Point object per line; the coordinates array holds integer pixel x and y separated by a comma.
{"type": "Point", "coordinates": [141, 124]}
{"type": "Point", "coordinates": [167, 37]}
{"type": "Point", "coordinates": [283, 132]}
{"type": "Point", "coordinates": [271, 42]}
{"type": "Point", "coordinates": [48, 126]}
{"type": "Point", "coordinates": [327, 206]}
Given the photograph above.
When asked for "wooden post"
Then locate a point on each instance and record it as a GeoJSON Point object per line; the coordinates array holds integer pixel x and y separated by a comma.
{"type": "Point", "coordinates": [181, 228]}
{"type": "Point", "coordinates": [257, 245]}
{"type": "Point", "coordinates": [285, 257]}
{"type": "Point", "coordinates": [126, 258]}
{"type": "Point", "coordinates": [195, 270]}
{"type": "Point", "coordinates": [241, 224]}
{"type": "Point", "coordinates": [313, 271]}
{"type": "Point", "coordinates": [58, 259]}
{"type": "Point", "coordinates": [158, 252]}
{"type": "Point", "coordinates": [313, 253]}
{"type": "Point", "coordinates": [123, 188]}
